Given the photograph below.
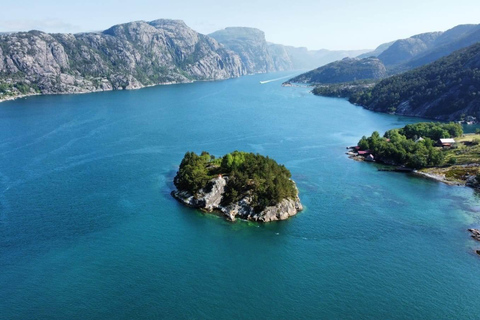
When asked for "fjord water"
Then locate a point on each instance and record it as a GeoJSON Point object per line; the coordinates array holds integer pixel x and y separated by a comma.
{"type": "Point", "coordinates": [88, 229]}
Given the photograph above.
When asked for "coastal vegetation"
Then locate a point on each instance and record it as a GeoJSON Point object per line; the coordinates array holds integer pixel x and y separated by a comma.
{"type": "Point", "coordinates": [413, 146]}
{"type": "Point", "coordinates": [344, 90]}
{"type": "Point", "coordinates": [442, 88]}
{"type": "Point", "coordinates": [345, 70]}
{"type": "Point", "coordinates": [446, 89]}
{"type": "Point", "coordinates": [260, 177]}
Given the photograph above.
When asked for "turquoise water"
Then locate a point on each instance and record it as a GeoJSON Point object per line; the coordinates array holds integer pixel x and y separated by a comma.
{"type": "Point", "coordinates": [88, 229]}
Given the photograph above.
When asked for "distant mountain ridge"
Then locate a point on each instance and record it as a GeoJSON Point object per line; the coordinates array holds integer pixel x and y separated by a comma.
{"type": "Point", "coordinates": [421, 49]}
{"type": "Point", "coordinates": [446, 89]}
{"type": "Point", "coordinates": [399, 56]}
{"type": "Point", "coordinates": [405, 49]}
{"type": "Point", "coordinates": [346, 70]}
{"type": "Point", "coordinates": [450, 41]}
{"type": "Point", "coordinates": [377, 51]}
{"type": "Point", "coordinates": [137, 54]}
{"type": "Point", "coordinates": [126, 56]}
{"type": "Point", "coordinates": [260, 56]}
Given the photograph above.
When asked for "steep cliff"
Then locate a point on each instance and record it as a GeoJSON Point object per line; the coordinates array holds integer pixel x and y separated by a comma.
{"type": "Point", "coordinates": [250, 45]}
{"type": "Point", "coordinates": [259, 56]}
{"type": "Point", "coordinates": [126, 56]}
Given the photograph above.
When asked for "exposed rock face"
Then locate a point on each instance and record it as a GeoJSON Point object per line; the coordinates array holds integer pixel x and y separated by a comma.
{"type": "Point", "coordinates": [126, 56]}
{"type": "Point", "coordinates": [475, 234]}
{"type": "Point", "coordinates": [281, 59]}
{"type": "Point", "coordinates": [346, 70]}
{"type": "Point", "coordinates": [250, 45]}
{"type": "Point", "coordinates": [472, 182]}
{"type": "Point", "coordinates": [210, 200]}
{"type": "Point", "coordinates": [405, 49]}
{"type": "Point", "coordinates": [259, 56]}
{"type": "Point", "coordinates": [421, 49]}
{"type": "Point", "coordinates": [138, 54]}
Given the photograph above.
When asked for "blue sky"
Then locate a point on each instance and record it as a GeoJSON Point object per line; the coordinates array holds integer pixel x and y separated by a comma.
{"type": "Point", "coordinates": [341, 24]}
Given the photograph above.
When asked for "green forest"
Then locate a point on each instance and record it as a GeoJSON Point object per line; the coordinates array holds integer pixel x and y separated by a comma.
{"type": "Point", "coordinates": [447, 86]}
{"type": "Point", "coordinates": [404, 147]}
{"type": "Point", "coordinates": [248, 174]}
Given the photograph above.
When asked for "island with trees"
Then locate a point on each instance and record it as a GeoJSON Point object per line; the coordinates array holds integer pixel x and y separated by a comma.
{"type": "Point", "coordinates": [238, 185]}
{"type": "Point", "coordinates": [437, 150]}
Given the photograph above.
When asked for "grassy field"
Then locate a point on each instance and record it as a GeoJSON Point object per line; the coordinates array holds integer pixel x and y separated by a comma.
{"type": "Point", "coordinates": [466, 151]}
{"type": "Point", "coordinates": [465, 160]}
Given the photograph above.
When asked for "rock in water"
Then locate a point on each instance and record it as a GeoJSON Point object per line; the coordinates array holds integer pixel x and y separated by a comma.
{"type": "Point", "coordinates": [475, 234]}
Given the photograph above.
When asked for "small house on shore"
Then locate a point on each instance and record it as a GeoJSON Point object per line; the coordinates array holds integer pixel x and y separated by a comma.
{"type": "Point", "coordinates": [446, 143]}
{"type": "Point", "coordinates": [364, 153]}
{"type": "Point", "coordinates": [370, 158]}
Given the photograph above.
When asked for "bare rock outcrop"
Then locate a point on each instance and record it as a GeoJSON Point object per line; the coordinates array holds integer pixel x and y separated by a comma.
{"type": "Point", "coordinates": [210, 199]}
{"type": "Point", "coordinates": [126, 56]}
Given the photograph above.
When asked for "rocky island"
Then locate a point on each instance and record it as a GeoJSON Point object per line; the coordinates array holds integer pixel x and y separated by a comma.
{"type": "Point", "coordinates": [238, 185]}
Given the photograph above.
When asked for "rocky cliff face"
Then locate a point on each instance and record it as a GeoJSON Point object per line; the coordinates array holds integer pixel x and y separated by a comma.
{"type": "Point", "coordinates": [281, 58]}
{"type": "Point", "coordinates": [250, 45]}
{"type": "Point", "coordinates": [346, 70]}
{"type": "Point", "coordinates": [126, 56]}
{"type": "Point", "coordinates": [211, 200]}
{"type": "Point", "coordinates": [403, 50]}
{"type": "Point", "coordinates": [260, 56]}
{"type": "Point", "coordinates": [421, 49]}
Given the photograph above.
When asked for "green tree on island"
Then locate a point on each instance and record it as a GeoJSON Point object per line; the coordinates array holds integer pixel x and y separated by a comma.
{"type": "Point", "coordinates": [248, 174]}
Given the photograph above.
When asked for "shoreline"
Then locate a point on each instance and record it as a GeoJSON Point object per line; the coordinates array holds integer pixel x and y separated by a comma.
{"type": "Point", "coordinates": [11, 98]}
{"type": "Point", "coordinates": [438, 174]}
{"type": "Point", "coordinates": [439, 178]}
{"type": "Point", "coordinates": [421, 174]}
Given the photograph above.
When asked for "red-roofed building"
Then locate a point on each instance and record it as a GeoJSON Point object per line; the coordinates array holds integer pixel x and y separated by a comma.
{"type": "Point", "coordinates": [364, 153]}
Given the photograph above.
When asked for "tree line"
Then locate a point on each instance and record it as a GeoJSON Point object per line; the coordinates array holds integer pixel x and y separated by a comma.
{"type": "Point", "coordinates": [404, 147]}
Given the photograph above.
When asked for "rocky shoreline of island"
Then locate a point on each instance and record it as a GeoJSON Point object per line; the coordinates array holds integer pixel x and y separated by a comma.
{"type": "Point", "coordinates": [238, 185]}
{"type": "Point", "coordinates": [211, 202]}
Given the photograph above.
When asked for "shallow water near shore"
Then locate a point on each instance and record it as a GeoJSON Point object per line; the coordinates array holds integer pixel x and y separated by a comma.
{"type": "Point", "coordinates": [88, 229]}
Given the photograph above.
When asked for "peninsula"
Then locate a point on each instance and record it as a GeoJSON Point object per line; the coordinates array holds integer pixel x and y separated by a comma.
{"type": "Point", "coordinates": [435, 150]}
{"type": "Point", "coordinates": [238, 185]}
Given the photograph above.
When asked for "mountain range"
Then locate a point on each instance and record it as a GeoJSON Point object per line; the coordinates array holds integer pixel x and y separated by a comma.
{"type": "Point", "coordinates": [138, 54]}
{"type": "Point", "coordinates": [258, 55]}
{"type": "Point", "coordinates": [447, 89]}
{"type": "Point", "coordinates": [345, 70]}
{"type": "Point", "coordinates": [398, 56]}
